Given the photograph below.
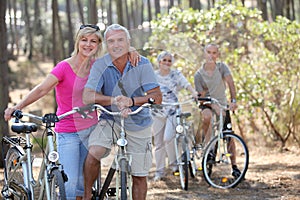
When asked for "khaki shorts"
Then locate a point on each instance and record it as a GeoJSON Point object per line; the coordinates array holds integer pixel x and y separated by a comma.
{"type": "Point", "coordinates": [139, 144]}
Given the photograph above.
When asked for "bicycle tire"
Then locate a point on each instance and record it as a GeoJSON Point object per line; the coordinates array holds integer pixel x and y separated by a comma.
{"type": "Point", "coordinates": [192, 150]}
{"type": "Point", "coordinates": [192, 163]}
{"type": "Point", "coordinates": [57, 185]}
{"type": "Point", "coordinates": [123, 178]}
{"type": "Point", "coordinates": [183, 165]}
{"type": "Point", "coordinates": [216, 164]}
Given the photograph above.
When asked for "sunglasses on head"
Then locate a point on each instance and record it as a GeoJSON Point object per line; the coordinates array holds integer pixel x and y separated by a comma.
{"type": "Point", "coordinates": [164, 60]}
{"type": "Point", "coordinates": [90, 26]}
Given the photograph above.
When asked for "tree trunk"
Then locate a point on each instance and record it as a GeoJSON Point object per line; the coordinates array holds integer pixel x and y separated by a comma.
{"type": "Point", "coordinates": [109, 13]}
{"type": "Point", "coordinates": [278, 8]}
{"type": "Point", "coordinates": [93, 17]}
{"type": "Point", "coordinates": [262, 5]}
{"type": "Point", "coordinates": [133, 15]}
{"type": "Point", "coordinates": [127, 22]}
{"type": "Point", "coordinates": [29, 43]}
{"type": "Point", "coordinates": [288, 9]}
{"type": "Point", "coordinates": [142, 13]}
{"type": "Point", "coordinates": [70, 28]}
{"type": "Point", "coordinates": [196, 5]}
{"type": "Point", "coordinates": [37, 25]}
{"type": "Point", "coordinates": [149, 10]}
{"type": "Point", "coordinates": [80, 11]}
{"type": "Point", "coordinates": [54, 34]}
{"type": "Point", "coordinates": [120, 12]}
{"type": "Point", "coordinates": [3, 78]}
{"type": "Point", "coordinates": [157, 7]}
{"type": "Point", "coordinates": [60, 41]}
{"type": "Point", "coordinates": [293, 10]}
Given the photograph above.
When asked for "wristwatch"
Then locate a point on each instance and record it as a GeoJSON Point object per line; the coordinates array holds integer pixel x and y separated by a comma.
{"type": "Point", "coordinates": [233, 100]}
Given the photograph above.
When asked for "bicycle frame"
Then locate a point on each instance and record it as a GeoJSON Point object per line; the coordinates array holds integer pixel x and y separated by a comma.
{"type": "Point", "coordinates": [25, 160]}
{"type": "Point", "coordinates": [181, 141]}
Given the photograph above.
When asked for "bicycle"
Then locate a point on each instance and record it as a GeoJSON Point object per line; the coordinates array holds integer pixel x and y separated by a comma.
{"type": "Point", "coordinates": [121, 163]}
{"type": "Point", "coordinates": [19, 182]}
{"type": "Point", "coordinates": [182, 149]}
{"type": "Point", "coordinates": [225, 151]}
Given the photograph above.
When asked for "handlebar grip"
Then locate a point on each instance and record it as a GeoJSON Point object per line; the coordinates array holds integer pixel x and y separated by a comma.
{"type": "Point", "coordinates": [17, 114]}
{"type": "Point", "coordinates": [204, 98]}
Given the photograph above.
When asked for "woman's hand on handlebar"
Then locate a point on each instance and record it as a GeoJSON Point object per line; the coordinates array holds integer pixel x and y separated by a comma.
{"type": "Point", "coordinates": [8, 113]}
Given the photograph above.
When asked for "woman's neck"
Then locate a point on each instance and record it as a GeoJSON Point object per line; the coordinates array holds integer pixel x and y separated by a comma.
{"type": "Point", "coordinates": [80, 65]}
{"type": "Point", "coordinates": [164, 72]}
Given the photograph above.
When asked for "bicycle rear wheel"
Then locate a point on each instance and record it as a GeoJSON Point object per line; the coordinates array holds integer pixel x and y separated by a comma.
{"type": "Point", "coordinates": [183, 163]}
{"type": "Point", "coordinates": [57, 185]}
{"type": "Point", "coordinates": [220, 158]}
{"type": "Point", "coordinates": [15, 175]}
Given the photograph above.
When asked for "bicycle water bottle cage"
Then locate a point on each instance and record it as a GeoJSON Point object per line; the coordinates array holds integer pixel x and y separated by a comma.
{"type": "Point", "coordinates": [50, 119]}
{"type": "Point", "coordinates": [26, 127]}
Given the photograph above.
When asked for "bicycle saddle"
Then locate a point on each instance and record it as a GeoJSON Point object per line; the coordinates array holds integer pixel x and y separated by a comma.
{"type": "Point", "coordinates": [25, 127]}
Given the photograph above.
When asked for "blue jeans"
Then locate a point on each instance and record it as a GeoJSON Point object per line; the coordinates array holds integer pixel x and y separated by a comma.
{"type": "Point", "coordinates": [72, 149]}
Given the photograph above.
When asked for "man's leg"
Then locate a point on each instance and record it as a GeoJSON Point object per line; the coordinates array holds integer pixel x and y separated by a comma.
{"type": "Point", "coordinates": [139, 187]}
{"type": "Point", "coordinates": [91, 169]}
{"type": "Point", "coordinates": [158, 128]}
{"type": "Point", "coordinates": [206, 125]}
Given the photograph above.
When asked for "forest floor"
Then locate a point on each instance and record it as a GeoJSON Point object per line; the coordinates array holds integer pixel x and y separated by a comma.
{"type": "Point", "coordinates": [272, 174]}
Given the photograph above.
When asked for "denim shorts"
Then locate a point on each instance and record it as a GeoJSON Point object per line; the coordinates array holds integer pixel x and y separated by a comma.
{"type": "Point", "coordinates": [72, 149]}
{"type": "Point", "coordinates": [139, 144]}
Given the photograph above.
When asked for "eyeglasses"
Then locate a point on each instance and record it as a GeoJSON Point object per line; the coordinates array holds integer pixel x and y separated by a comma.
{"type": "Point", "coordinates": [90, 26]}
{"type": "Point", "coordinates": [164, 60]}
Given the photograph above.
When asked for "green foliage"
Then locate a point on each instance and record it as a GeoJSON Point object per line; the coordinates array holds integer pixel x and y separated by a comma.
{"type": "Point", "coordinates": [264, 58]}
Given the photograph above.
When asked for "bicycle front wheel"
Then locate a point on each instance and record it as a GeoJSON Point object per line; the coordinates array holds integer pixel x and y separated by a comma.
{"type": "Point", "coordinates": [225, 161]}
{"type": "Point", "coordinates": [123, 177]}
{"type": "Point", "coordinates": [182, 161]}
{"type": "Point", "coordinates": [57, 185]}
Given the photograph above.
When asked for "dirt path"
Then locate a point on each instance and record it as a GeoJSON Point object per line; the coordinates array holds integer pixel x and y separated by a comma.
{"type": "Point", "coordinates": [271, 175]}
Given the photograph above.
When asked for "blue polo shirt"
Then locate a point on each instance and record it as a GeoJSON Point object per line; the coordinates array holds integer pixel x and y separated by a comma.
{"type": "Point", "coordinates": [105, 78]}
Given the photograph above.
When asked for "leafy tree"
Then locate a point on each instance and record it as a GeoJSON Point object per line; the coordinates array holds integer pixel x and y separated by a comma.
{"type": "Point", "coordinates": [263, 57]}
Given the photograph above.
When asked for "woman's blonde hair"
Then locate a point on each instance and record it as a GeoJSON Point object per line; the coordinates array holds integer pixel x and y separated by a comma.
{"type": "Point", "coordinates": [87, 31]}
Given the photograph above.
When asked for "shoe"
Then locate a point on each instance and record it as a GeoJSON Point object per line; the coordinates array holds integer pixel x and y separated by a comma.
{"type": "Point", "coordinates": [236, 173]}
{"type": "Point", "coordinates": [176, 172]}
{"type": "Point", "coordinates": [211, 158]}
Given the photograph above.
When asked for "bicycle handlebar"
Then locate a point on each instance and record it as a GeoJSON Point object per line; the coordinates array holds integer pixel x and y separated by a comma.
{"type": "Point", "coordinates": [212, 100]}
{"type": "Point", "coordinates": [47, 118]}
{"type": "Point", "coordinates": [145, 105]}
{"type": "Point", "coordinates": [177, 103]}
